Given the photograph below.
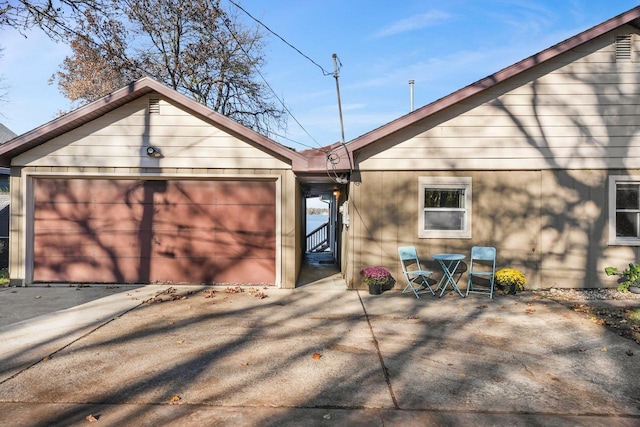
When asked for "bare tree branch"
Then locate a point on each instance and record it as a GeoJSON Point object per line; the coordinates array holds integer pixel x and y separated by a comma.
{"type": "Point", "coordinates": [192, 46]}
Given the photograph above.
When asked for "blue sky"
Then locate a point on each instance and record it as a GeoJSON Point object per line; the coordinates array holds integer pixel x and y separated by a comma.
{"type": "Point", "coordinates": [442, 46]}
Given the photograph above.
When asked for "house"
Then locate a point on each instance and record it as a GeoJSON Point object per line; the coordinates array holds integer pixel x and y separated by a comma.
{"type": "Point", "coordinates": [5, 135]}
{"type": "Point", "coordinates": [146, 185]}
{"type": "Point", "coordinates": [540, 160]}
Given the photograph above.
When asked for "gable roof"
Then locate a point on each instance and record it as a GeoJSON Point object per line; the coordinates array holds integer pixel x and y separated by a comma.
{"type": "Point", "coordinates": [5, 134]}
{"type": "Point", "coordinates": [127, 94]}
{"type": "Point", "coordinates": [631, 17]}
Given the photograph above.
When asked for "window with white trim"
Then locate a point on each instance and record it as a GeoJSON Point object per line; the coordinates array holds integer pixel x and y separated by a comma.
{"type": "Point", "coordinates": [445, 207]}
{"type": "Point", "coordinates": [624, 210]}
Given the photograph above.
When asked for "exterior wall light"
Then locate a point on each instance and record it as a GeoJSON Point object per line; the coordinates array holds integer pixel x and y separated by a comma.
{"type": "Point", "coordinates": [153, 152]}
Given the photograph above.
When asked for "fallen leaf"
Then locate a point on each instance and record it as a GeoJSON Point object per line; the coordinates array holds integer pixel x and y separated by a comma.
{"type": "Point", "coordinates": [316, 356]}
{"type": "Point", "coordinates": [91, 418]}
{"type": "Point", "coordinates": [38, 297]}
{"type": "Point", "coordinates": [175, 399]}
{"type": "Point", "coordinates": [530, 310]}
{"type": "Point", "coordinates": [603, 349]}
{"type": "Point", "coordinates": [462, 375]}
{"type": "Point", "coordinates": [180, 341]}
{"type": "Point", "coordinates": [460, 309]}
{"type": "Point", "coordinates": [209, 293]}
{"type": "Point", "coordinates": [327, 416]}
{"type": "Point", "coordinates": [529, 303]}
{"type": "Point", "coordinates": [245, 363]}
{"type": "Point", "coordinates": [481, 307]}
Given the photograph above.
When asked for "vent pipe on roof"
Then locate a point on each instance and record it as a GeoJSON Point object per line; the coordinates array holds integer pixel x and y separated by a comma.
{"type": "Point", "coordinates": [411, 82]}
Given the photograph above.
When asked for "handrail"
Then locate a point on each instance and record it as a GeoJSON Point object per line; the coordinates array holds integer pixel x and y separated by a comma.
{"type": "Point", "coordinates": [318, 239]}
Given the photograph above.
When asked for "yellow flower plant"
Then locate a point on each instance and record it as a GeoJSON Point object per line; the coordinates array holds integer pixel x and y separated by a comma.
{"type": "Point", "coordinates": [510, 280]}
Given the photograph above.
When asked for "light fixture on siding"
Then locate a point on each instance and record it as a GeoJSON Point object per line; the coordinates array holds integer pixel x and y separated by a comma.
{"type": "Point", "coordinates": [154, 152]}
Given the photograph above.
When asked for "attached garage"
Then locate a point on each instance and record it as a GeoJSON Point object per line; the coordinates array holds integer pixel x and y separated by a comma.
{"type": "Point", "coordinates": [147, 185]}
{"type": "Point", "coordinates": [141, 231]}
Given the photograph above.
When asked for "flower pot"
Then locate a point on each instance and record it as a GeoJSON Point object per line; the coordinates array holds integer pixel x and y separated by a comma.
{"type": "Point", "coordinates": [634, 289]}
{"type": "Point", "coordinates": [509, 289]}
{"type": "Point", "coordinates": [375, 289]}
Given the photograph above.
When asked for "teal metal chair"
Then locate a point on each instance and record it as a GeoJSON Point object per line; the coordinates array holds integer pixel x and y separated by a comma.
{"type": "Point", "coordinates": [414, 274]}
{"type": "Point", "coordinates": [482, 265]}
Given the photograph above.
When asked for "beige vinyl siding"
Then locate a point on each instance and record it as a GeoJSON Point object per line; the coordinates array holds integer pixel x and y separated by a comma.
{"type": "Point", "coordinates": [578, 111]}
{"type": "Point", "coordinates": [120, 138]}
{"type": "Point", "coordinates": [550, 224]}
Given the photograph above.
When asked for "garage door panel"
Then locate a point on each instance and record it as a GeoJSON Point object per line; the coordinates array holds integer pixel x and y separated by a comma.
{"type": "Point", "coordinates": [87, 269]}
{"type": "Point", "coordinates": [184, 218]}
{"type": "Point", "coordinates": [50, 210]}
{"type": "Point", "coordinates": [70, 246]}
{"type": "Point", "coordinates": [88, 227]}
{"type": "Point", "coordinates": [244, 271]}
{"type": "Point", "coordinates": [241, 245]}
{"type": "Point", "coordinates": [57, 225]}
{"type": "Point", "coordinates": [190, 193]}
{"type": "Point", "coordinates": [139, 231]}
{"type": "Point", "coordinates": [121, 243]}
{"type": "Point", "coordinates": [218, 270]}
{"type": "Point", "coordinates": [195, 244]}
{"type": "Point", "coordinates": [253, 218]}
{"type": "Point", "coordinates": [246, 193]}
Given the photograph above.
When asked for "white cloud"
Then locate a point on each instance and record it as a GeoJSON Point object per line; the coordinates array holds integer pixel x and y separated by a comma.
{"type": "Point", "coordinates": [413, 23]}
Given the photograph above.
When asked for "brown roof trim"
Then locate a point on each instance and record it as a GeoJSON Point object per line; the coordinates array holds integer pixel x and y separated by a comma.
{"type": "Point", "coordinates": [494, 79]}
{"type": "Point", "coordinates": [127, 94]}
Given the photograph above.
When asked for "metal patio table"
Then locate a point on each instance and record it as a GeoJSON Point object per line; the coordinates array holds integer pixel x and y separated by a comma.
{"type": "Point", "coordinates": [449, 264]}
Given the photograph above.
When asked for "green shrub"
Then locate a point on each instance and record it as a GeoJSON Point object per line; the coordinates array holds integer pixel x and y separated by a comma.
{"type": "Point", "coordinates": [629, 277]}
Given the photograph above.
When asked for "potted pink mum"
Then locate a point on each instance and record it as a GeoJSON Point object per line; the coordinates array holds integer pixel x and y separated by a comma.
{"type": "Point", "coordinates": [377, 278]}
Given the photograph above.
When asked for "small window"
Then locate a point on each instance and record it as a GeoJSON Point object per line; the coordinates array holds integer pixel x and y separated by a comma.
{"type": "Point", "coordinates": [445, 207]}
{"type": "Point", "coordinates": [624, 210]}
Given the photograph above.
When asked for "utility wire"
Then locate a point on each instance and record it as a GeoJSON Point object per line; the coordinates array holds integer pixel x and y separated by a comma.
{"type": "Point", "coordinates": [241, 46]}
{"type": "Point", "coordinates": [297, 142]}
{"type": "Point", "coordinates": [325, 72]}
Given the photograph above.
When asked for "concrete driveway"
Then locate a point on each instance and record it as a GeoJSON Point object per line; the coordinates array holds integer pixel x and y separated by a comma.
{"type": "Point", "coordinates": [188, 356]}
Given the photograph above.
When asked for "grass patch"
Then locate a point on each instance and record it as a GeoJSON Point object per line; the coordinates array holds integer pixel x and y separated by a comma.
{"type": "Point", "coordinates": [634, 316]}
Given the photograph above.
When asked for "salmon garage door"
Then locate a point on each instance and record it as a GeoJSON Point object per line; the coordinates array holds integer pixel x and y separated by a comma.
{"type": "Point", "coordinates": [134, 231]}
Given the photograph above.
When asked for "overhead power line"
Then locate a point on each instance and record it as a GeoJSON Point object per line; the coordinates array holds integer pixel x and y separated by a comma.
{"type": "Point", "coordinates": [241, 46]}
{"type": "Point", "coordinates": [325, 72]}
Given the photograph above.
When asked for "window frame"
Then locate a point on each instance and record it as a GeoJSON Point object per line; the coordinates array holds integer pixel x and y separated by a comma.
{"type": "Point", "coordinates": [445, 182]}
{"type": "Point", "coordinates": [613, 239]}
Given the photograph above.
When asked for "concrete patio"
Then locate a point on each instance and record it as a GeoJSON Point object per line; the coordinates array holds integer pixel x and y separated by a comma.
{"type": "Point", "coordinates": [157, 355]}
